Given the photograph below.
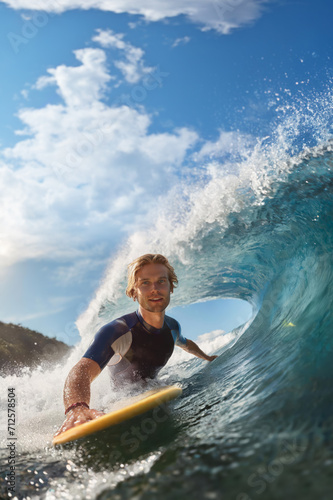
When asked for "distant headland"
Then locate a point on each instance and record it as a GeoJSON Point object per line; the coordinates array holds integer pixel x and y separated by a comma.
{"type": "Point", "coordinates": [21, 347]}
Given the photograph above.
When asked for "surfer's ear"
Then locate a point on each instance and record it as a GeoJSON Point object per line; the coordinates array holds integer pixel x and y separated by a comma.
{"type": "Point", "coordinates": [134, 293]}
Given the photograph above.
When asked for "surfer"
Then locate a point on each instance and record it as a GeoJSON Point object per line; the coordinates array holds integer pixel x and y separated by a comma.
{"type": "Point", "coordinates": [135, 346]}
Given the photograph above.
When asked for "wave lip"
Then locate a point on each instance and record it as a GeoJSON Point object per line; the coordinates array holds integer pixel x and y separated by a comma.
{"type": "Point", "coordinates": [262, 233]}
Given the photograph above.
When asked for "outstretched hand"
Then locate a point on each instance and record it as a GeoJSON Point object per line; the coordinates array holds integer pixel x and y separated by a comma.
{"type": "Point", "coordinates": [78, 416]}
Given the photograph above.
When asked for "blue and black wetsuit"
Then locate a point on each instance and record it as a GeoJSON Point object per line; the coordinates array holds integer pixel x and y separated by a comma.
{"type": "Point", "coordinates": [132, 349]}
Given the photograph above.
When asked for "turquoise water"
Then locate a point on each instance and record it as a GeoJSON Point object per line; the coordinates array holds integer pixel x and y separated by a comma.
{"type": "Point", "coordinates": [257, 422]}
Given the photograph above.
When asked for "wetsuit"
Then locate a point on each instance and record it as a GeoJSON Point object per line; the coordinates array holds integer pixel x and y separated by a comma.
{"type": "Point", "coordinates": [132, 349]}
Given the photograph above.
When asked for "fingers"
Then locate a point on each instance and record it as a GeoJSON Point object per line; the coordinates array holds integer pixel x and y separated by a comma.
{"type": "Point", "coordinates": [65, 426]}
{"type": "Point", "coordinates": [96, 414]}
{"type": "Point", "coordinates": [83, 418]}
{"type": "Point", "coordinates": [59, 431]}
{"type": "Point", "coordinates": [78, 417]}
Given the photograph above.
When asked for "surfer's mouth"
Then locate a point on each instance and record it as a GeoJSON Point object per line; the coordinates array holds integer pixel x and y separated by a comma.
{"type": "Point", "coordinates": [156, 299]}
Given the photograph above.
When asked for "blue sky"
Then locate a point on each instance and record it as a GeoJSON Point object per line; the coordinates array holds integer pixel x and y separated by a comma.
{"type": "Point", "coordinates": [104, 110]}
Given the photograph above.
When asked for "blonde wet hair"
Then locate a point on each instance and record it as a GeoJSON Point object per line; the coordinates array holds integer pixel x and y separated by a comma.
{"type": "Point", "coordinates": [144, 260]}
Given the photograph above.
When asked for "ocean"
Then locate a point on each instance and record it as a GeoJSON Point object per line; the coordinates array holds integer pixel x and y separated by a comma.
{"type": "Point", "coordinates": [254, 224]}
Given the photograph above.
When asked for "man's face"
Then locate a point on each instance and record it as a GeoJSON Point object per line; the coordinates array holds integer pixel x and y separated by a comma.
{"type": "Point", "coordinates": [152, 288]}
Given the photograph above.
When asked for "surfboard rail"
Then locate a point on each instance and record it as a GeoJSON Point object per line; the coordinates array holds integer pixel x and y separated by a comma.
{"type": "Point", "coordinates": [125, 410]}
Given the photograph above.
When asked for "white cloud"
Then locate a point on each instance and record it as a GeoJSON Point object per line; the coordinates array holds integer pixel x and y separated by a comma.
{"type": "Point", "coordinates": [19, 318]}
{"type": "Point", "coordinates": [81, 171]}
{"type": "Point", "coordinates": [228, 143]}
{"type": "Point", "coordinates": [132, 67]}
{"type": "Point", "coordinates": [53, 305]}
{"type": "Point", "coordinates": [181, 41]}
{"type": "Point", "coordinates": [83, 84]}
{"type": "Point", "coordinates": [76, 271]}
{"type": "Point", "coordinates": [219, 15]}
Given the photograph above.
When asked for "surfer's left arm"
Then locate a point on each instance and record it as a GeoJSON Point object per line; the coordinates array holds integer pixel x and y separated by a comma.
{"type": "Point", "coordinates": [192, 348]}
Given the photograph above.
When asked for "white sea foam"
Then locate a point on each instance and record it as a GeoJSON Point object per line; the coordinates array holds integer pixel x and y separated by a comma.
{"type": "Point", "coordinates": [39, 410]}
{"type": "Point", "coordinates": [185, 216]}
{"type": "Point", "coordinates": [206, 199]}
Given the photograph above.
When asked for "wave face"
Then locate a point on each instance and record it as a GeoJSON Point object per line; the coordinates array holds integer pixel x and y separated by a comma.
{"type": "Point", "coordinates": [256, 423]}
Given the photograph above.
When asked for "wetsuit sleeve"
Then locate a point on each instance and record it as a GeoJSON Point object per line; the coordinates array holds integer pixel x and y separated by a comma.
{"type": "Point", "coordinates": [181, 340]}
{"type": "Point", "coordinates": [100, 349]}
{"type": "Point", "coordinates": [176, 332]}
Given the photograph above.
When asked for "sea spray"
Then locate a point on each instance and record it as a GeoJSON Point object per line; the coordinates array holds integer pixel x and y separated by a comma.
{"type": "Point", "coordinates": [257, 420]}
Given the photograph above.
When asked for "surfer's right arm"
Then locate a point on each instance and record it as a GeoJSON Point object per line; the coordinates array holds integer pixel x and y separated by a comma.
{"type": "Point", "coordinates": [77, 390]}
{"type": "Point", "coordinates": [77, 385]}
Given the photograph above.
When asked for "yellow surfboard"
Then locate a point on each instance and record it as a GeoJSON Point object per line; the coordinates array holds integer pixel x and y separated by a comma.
{"type": "Point", "coordinates": [124, 410]}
